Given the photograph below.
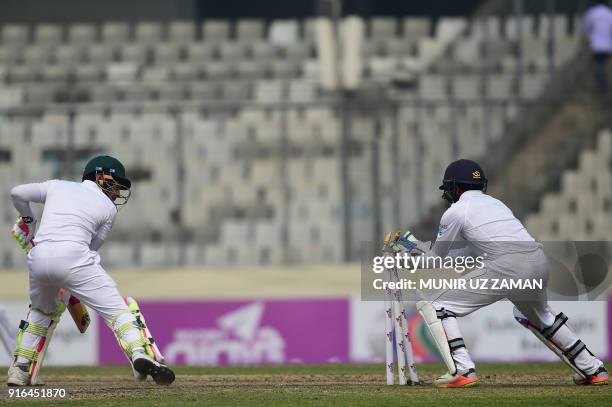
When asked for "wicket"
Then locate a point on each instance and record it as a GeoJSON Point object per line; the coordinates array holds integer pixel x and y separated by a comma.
{"type": "Point", "coordinates": [396, 332]}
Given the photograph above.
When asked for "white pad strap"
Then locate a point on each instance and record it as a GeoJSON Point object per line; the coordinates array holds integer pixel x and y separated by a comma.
{"type": "Point", "coordinates": [436, 330]}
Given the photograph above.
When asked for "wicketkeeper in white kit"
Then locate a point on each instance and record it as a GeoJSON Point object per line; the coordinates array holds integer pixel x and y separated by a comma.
{"type": "Point", "coordinates": [64, 258]}
{"type": "Point", "coordinates": [483, 224]}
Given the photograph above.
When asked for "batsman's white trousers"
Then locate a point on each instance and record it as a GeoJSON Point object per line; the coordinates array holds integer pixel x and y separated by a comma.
{"type": "Point", "coordinates": [55, 265]}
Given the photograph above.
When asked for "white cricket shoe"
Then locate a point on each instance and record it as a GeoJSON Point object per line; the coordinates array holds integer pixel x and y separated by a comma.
{"type": "Point", "coordinates": [147, 366]}
{"type": "Point", "coordinates": [468, 378]}
{"type": "Point", "coordinates": [17, 377]}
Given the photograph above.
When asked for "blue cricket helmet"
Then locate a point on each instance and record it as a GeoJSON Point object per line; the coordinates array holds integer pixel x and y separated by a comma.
{"type": "Point", "coordinates": [464, 173]}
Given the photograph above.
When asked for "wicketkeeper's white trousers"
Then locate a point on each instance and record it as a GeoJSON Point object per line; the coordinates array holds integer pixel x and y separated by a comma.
{"type": "Point", "coordinates": [533, 304]}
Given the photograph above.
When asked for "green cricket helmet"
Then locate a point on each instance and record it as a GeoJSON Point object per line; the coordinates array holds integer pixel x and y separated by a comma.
{"type": "Point", "coordinates": [105, 164]}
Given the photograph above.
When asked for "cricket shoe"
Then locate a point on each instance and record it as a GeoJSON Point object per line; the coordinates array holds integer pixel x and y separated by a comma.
{"type": "Point", "coordinates": [147, 366]}
{"type": "Point", "coordinates": [141, 377]}
{"type": "Point", "coordinates": [600, 377]}
{"type": "Point", "coordinates": [466, 379]}
{"type": "Point", "coordinates": [17, 376]}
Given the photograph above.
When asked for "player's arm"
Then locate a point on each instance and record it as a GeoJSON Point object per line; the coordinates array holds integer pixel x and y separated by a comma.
{"type": "Point", "coordinates": [98, 240]}
{"type": "Point", "coordinates": [23, 194]}
{"type": "Point", "coordinates": [25, 226]}
{"type": "Point", "coordinates": [449, 233]}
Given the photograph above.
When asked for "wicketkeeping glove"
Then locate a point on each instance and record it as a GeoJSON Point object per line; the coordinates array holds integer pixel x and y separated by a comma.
{"type": "Point", "coordinates": [23, 232]}
{"type": "Point", "coordinates": [396, 242]}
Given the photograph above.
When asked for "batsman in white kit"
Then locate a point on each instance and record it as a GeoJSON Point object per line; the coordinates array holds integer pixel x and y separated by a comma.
{"type": "Point", "coordinates": [479, 224]}
{"type": "Point", "coordinates": [64, 268]}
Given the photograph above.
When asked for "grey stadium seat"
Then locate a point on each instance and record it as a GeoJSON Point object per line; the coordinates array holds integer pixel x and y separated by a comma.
{"type": "Point", "coordinates": [219, 69]}
{"type": "Point", "coordinates": [148, 32]}
{"type": "Point", "coordinates": [249, 30]}
{"type": "Point", "coordinates": [200, 52]}
{"type": "Point", "coordinates": [54, 73]}
{"type": "Point", "coordinates": [284, 69]}
{"type": "Point", "coordinates": [232, 51]}
{"type": "Point", "coordinates": [236, 90]}
{"type": "Point", "coordinates": [115, 33]}
{"type": "Point", "coordinates": [88, 72]}
{"type": "Point", "coordinates": [166, 53]}
{"type": "Point", "coordinates": [382, 27]}
{"type": "Point", "coordinates": [15, 34]}
{"type": "Point", "coordinates": [414, 28]}
{"type": "Point", "coordinates": [205, 91]}
{"type": "Point", "coordinates": [23, 73]}
{"type": "Point", "coordinates": [37, 55]}
{"type": "Point", "coordinates": [251, 69]}
{"type": "Point", "coordinates": [134, 52]}
{"type": "Point", "coordinates": [9, 55]}
{"type": "Point", "coordinates": [69, 55]}
{"type": "Point", "coordinates": [100, 54]}
{"type": "Point", "coordinates": [181, 32]}
{"type": "Point", "coordinates": [262, 50]}
{"type": "Point", "coordinates": [82, 34]}
{"type": "Point", "coordinates": [184, 71]}
{"type": "Point", "coordinates": [47, 34]}
{"type": "Point", "coordinates": [215, 31]}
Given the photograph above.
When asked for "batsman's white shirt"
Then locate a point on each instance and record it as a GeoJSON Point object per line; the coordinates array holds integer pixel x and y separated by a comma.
{"type": "Point", "coordinates": [75, 221]}
{"type": "Point", "coordinates": [74, 212]}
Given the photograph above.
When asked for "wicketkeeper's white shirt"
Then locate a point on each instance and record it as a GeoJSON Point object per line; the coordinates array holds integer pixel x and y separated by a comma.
{"type": "Point", "coordinates": [485, 223]}
{"type": "Point", "coordinates": [77, 212]}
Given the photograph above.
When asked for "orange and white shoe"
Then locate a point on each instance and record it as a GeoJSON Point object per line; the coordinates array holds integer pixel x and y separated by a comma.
{"type": "Point", "coordinates": [466, 379]}
{"type": "Point", "coordinates": [600, 377]}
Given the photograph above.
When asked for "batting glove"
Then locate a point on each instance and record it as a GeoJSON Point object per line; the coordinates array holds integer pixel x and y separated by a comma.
{"type": "Point", "coordinates": [23, 232]}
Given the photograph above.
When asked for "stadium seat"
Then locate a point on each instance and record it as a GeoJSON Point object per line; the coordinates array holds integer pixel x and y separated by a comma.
{"type": "Point", "coordinates": [15, 34]}
{"type": "Point", "coordinates": [47, 34]}
{"type": "Point", "coordinates": [200, 52]}
{"type": "Point", "coordinates": [23, 73]}
{"type": "Point", "coordinates": [135, 53]}
{"type": "Point", "coordinates": [166, 53]}
{"type": "Point", "coordinates": [9, 55]}
{"type": "Point", "coordinates": [558, 25]}
{"type": "Point", "coordinates": [35, 56]}
{"type": "Point", "coordinates": [215, 31]}
{"type": "Point", "coordinates": [88, 73]}
{"type": "Point", "coordinates": [115, 33]}
{"type": "Point", "coordinates": [414, 28]}
{"type": "Point", "coordinates": [382, 28]}
{"type": "Point", "coordinates": [283, 32]}
{"type": "Point", "coordinates": [54, 73]}
{"type": "Point", "coordinates": [82, 34]}
{"type": "Point", "coordinates": [100, 54]}
{"type": "Point", "coordinates": [232, 51]}
{"type": "Point", "coordinates": [68, 55]}
{"type": "Point", "coordinates": [184, 71]}
{"type": "Point", "coordinates": [122, 72]}
{"type": "Point", "coordinates": [181, 32]}
{"type": "Point", "coordinates": [284, 69]}
{"type": "Point", "coordinates": [148, 33]}
{"type": "Point", "coordinates": [249, 30]}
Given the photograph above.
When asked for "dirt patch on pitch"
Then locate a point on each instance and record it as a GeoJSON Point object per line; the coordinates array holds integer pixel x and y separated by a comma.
{"type": "Point", "coordinates": [109, 387]}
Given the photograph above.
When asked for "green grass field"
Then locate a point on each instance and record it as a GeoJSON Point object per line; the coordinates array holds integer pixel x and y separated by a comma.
{"type": "Point", "coordinates": [321, 385]}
